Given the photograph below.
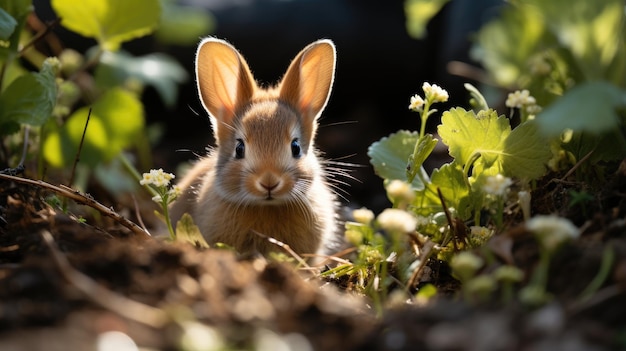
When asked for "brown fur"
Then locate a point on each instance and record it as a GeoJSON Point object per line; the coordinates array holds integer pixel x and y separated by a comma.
{"type": "Point", "coordinates": [268, 191]}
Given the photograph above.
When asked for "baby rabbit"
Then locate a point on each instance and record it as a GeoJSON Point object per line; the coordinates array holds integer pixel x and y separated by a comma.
{"type": "Point", "coordinates": [264, 176]}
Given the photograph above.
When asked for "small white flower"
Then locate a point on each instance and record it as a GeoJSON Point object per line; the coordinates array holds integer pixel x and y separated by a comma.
{"type": "Point", "coordinates": [157, 199]}
{"type": "Point", "coordinates": [435, 93]}
{"type": "Point", "coordinates": [497, 185]}
{"type": "Point", "coordinates": [523, 198]}
{"type": "Point", "coordinates": [416, 103]}
{"type": "Point", "coordinates": [533, 109]}
{"type": "Point", "coordinates": [363, 215]}
{"type": "Point", "coordinates": [552, 231]}
{"type": "Point", "coordinates": [395, 220]}
{"type": "Point", "coordinates": [465, 264]}
{"type": "Point", "coordinates": [400, 190]}
{"type": "Point", "coordinates": [520, 99]}
{"type": "Point", "coordinates": [157, 178]}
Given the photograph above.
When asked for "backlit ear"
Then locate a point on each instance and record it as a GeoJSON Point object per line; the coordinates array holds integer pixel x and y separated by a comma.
{"type": "Point", "coordinates": [224, 81]}
{"type": "Point", "coordinates": [308, 81]}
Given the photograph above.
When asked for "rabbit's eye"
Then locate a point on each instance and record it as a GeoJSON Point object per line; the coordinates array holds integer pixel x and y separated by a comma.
{"type": "Point", "coordinates": [296, 151]}
{"type": "Point", "coordinates": [240, 149]}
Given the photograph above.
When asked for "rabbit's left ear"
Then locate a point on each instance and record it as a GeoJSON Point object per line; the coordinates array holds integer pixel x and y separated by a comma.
{"type": "Point", "coordinates": [306, 85]}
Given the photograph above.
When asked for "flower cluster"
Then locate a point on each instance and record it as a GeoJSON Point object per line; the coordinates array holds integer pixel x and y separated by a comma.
{"type": "Point", "coordinates": [522, 99]}
{"type": "Point", "coordinates": [157, 178]}
{"type": "Point", "coordinates": [400, 192]}
{"type": "Point", "coordinates": [397, 221]}
{"type": "Point", "coordinates": [435, 93]}
{"type": "Point", "coordinates": [497, 185]}
{"type": "Point", "coordinates": [551, 231]}
{"type": "Point", "coordinates": [432, 93]}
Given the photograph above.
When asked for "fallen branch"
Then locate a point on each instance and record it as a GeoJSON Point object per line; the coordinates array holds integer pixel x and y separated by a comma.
{"type": "Point", "coordinates": [82, 199]}
{"type": "Point", "coordinates": [131, 309]}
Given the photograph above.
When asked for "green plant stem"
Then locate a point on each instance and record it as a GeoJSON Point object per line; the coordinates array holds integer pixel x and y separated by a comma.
{"type": "Point", "coordinates": [168, 221]}
{"type": "Point", "coordinates": [540, 276]}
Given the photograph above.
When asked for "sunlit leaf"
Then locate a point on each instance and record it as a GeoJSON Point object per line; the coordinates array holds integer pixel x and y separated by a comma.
{"type": "Point", "coordinates": [589, 107]}
{"type": "Point", "coordinates": [526, 152]}
{"type": "Point", "coordinates": [7, 24]}
{"type": "Point", "coordinates": [115, 123]}
{"type": "Point", "coordinates": [452, 183]}
{"type": "Point", "coordinates": [183, 25]}
{"type": "Point", "coordinates": [474, 137]}
{"type": "Point", "coordinates": [389, 156]}
{"type": "Point", "coordinates": [13, 19]}
{"type": "Point", "coordinates": [419, 13]}
{"type": "Point", "coordinates": [30, 98]}
{"type": "Point", "coordinates": [425, 146]}
{"type": "Point", "coordinates": [188, 231]}
{"type": "Point", "coordinates": [158, 70]}
{"type": "Point", "coordinates": [111, 22]}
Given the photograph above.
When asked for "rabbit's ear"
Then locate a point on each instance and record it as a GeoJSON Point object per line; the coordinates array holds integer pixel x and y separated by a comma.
{"type": "Point", "coordinates": [307, 83]}
{"type": "Point", "coordinates": [224, 80]}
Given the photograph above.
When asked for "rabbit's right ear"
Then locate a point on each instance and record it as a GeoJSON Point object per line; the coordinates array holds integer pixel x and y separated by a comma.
{"type": "Point", "coordinates": [224, 81]}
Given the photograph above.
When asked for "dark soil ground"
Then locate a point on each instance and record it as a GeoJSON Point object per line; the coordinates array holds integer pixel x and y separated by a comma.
{"type": "Point", "coordinates": [66, 284]}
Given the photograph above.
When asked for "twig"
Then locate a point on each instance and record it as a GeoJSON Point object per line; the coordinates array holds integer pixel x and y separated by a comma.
{"type": "Point", "coordinates": [102, 296]}
{"type": "Point", "coordinates": [80, 147]}
{"type": "Point", "coordinates": [284, 247]}
{"type": "Point", "coordinates": [577, 165]}
{"type": "Point", "coordinates": [81, 199]}
{"type": "Point", "coordinates": [49, 27]}
{"type": "Point", "coordinates": [427, 250]}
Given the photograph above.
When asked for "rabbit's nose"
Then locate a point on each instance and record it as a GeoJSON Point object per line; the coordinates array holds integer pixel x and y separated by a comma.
{"type": "Point", "coordinates": [270, 186]}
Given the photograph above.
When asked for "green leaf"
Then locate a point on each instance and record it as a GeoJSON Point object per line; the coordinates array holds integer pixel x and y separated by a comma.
{"type": "Point", "coordinates": [183, 25]}
{"type": "Point", "coordinates": [389, 156]}
{"type": "Point", "coordinates": [452, 183]}
{"type": "Point", "coordinates": [588, 107]}
{"type": "Point", "coordinates": [18, 10]}
{"type": "Point", "coordinates": [425, 146]}
{"type": "Point", "coordinates": [30, 98]}
{"type": "Point", "coordinates": [471, 137]}
{"type": "Point", "coordinates": [526, 152]}
{"type": "Point", "coordinates": [116, 121]}
{"type": "Point", "coordinates": [111, 22]}
{"type": "Point", "coordinates": [188, 231]}
{"type": "Point", "coordinates": [506, 43]}
{"type": "Point", "coordinates": [158, 70]}
{"type": "Point", "coordinates": [419, 13]}
{"type": "Point", "coordinates": [7, 24]}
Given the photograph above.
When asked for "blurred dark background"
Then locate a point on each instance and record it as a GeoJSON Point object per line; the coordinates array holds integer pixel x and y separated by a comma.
{"type": "Point", "coordinates": [379, 68]}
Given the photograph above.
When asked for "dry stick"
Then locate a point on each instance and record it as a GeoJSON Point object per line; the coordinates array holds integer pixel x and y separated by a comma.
{"type": "Point", "coordinates": [580, 162]}
{"type": "Point", "coordinates": [427, 250]}
{"type": "Point", "coordinates": [284, 247]}
{"type": "Point", "coordinates": [49, 27]}
{"type": "Point", "coordinates": [125, 307]}
{"type": "Point", "coordinates": [80, 147]}
{"type": "Point", "coordinates": [81, 199]}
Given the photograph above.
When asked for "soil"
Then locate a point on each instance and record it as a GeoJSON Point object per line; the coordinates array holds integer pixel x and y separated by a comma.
{"type": "Point", "coordinates": [89, 283]}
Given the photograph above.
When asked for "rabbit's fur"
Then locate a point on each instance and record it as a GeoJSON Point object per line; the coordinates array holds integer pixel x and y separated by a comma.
{"type": "Point", "coordinates": [264, 177]}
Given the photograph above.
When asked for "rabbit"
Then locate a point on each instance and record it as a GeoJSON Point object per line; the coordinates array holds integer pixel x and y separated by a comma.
{"type": "Point", "coordinates": [264, 176]}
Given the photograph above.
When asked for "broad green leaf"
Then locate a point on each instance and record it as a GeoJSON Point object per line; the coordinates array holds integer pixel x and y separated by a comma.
{"type": "Point", "coordinates": [111, 22]}
{"type": "Point", "coordinates": [505, 44]}
{"type": "Point", "coordinates": [389, 156]}
{"type": "Point", "coordinates": [419, 13]}
{"type": "Point", "coordinates": [158, 70]}
{"type": "Point", "coordinates": [474, 137]}
{"type": "Point", "coordinates": [30, 98]}
{"type": "Point", "coordinates": [183, 25]}
{"type": "Point", "coordinates": [526, 152]}
{"type": "Point", "coordinates": [452, 183]}
{"type": "Point", "coordinates": [425, 146]}
{"type": "Point", "coordinates": [115, 123]}
{"type": "Point", "coordinates": [588, 107]}
{"type": "Point", "coordinates": [17, 10]}
{"type": "Point", "coordinates": [7, 24]}
{"type": "Point", "coordinates": [188, 231]}
{"type": "Point", "coordinates": [592, 31]}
